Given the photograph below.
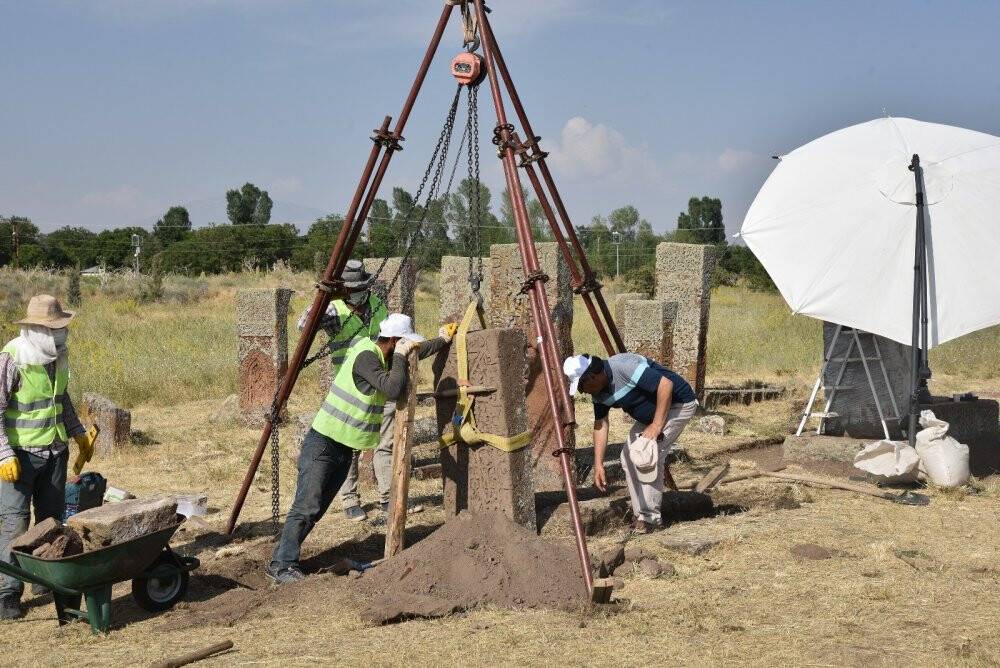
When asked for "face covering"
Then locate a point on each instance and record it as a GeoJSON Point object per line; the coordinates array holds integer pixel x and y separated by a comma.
{"type": "Point", "coordinates": [357, 298]}
{"type": "Point", "coordinates": [39, 345]}
{"type": "Point", "coordinates": [60, 336]}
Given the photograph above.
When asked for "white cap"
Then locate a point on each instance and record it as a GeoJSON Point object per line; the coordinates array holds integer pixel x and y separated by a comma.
{"type": "Point", "coordinates": [574, 367]}
{"type": "Point", "coordinates": [398, 325]}
{"type": "Point", "coordinates": [644, 455]}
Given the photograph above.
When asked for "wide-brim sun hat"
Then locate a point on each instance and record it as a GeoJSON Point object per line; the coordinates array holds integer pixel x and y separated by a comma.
{"type": "Point", "coordinates": [46, 311]}
{"type": "Point", "coordinates": [354, 276]}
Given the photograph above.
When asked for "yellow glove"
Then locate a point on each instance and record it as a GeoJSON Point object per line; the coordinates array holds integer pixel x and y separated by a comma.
{"type": "Point", "coordinates": [86, 443]}
{"type": "Point", "coordinates": [448, 330]}
{"type": "Point", "coordinates": [10, 470]}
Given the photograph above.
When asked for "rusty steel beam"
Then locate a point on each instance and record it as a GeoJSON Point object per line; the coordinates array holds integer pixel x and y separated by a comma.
{"type": "Point", "coordinates": [349, 231]}
{"type": "Point", "coordinates": [587, 282]}
{"type": "Point", "coordinates": [539, 302]}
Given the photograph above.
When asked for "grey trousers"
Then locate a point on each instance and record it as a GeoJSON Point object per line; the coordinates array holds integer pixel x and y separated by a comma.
{"type": "Point", "coordinates": [381, 459]}
{"type": "Point", "coordinates": [646, 499]}
{"type": "Point", "coordinates": [42, 484]}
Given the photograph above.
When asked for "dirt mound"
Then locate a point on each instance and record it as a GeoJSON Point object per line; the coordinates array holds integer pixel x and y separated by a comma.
{"type": "Point", "coordinates": [473, 560]}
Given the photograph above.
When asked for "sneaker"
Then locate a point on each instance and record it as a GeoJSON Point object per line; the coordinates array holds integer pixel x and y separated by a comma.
{"type": "Point", "coordinates": [10, 608]}
{"type": "Point", "coordinates": [355, 514]}
{"type": "Point", "coordinates": [284, 575]}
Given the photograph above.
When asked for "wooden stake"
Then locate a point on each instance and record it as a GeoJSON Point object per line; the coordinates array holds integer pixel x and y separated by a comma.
{"type": "Point", "coordinates": [195, 656]}
{"type": "Point", "coordinates": [712, 478]}
{"type": "Point", "coordinates": [402, 444]}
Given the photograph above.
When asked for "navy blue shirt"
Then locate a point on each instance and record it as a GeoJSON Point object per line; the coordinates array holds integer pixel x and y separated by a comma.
{"type": "Point", "coordinates": [632, 383]}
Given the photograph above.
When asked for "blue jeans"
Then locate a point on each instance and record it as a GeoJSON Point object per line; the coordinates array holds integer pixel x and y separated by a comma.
{"type": "Point", "coordinates": [42, 483]}
{"type": "Point", "coordinates": [323, 466]}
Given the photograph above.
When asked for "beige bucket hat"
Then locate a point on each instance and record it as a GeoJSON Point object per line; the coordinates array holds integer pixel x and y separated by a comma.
{"type": "Point", "coordinates": [45, 310]}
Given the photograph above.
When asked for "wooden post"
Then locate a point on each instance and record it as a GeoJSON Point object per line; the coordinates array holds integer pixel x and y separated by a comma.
{"type": "Point", "coordinates": [406, 404]}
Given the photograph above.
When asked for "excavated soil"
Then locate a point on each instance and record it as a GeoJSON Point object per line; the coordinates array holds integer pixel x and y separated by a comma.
{"type": "Point", "coordinates": [473, 560]}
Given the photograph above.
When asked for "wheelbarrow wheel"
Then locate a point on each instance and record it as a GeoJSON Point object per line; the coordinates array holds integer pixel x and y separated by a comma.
{"type": "Point", "coordinates": [161, 586]}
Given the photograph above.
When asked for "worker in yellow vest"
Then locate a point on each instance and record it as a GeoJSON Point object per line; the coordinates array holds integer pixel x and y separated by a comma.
{"type": "Point", "coordinates": [374, 372]}
{"type": "Point", "coordinates": [38, 420]}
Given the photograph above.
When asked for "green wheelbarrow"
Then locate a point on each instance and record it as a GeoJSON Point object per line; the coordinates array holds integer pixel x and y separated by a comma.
{"type": "Point", "coordinates": [159, 577]}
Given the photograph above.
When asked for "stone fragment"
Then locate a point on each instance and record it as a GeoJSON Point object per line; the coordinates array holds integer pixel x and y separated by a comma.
{"type": "Point", "coordinates": [113, 422]}
{"type": "Point", "coordinates": [712, 424]}
{"type": "Point", "coordinates": [41, 533]}
{"type": "Point", "coordinates": [690, 546]}
{"type": "Point", "coordinates": [634, 554]}
{"type": "Point", "coordinates": [119, 522]}
{"type": "Point", "coordinates": [481, 477]}
{"type": "Point", "coordinates": [647, 328]}
{"type": "Point", "coordinates": [684, 276]}
{"type": "Point", "coordinates": [650, 568]}
{"type": "Point", "coordinates": [66, 544]}
{"type": "Point", "coordinates": [610, 559]}
{"type": "Point", "coordinates": [455, 292]}
{"type": "Point", "coordinates": [401, 299]}
{"type": "Point", "coordinates": [510, 307]}
{"type": "Point", "coordinates": [262, 327]}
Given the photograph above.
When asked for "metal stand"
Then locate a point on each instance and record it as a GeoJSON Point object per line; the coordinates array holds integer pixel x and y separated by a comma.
{"type": "Point", "coordinates": [830, 391]}
{"type": "Point", "coordinates": [919, 370]}
{"type": "Point", "coordinates": [509, 146]}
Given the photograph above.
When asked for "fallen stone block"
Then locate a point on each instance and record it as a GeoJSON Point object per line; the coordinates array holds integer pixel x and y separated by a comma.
{"type": "Point", "coordinates": [113, 421]}
{"type": "Point", "coordinates": [66, 544]}
{"type": "Point", "coordinates": [690, 546]}
{"type": "Point", "coordinates": [712, 424]}
{"type": "Point", "coordinates": [120, 522]}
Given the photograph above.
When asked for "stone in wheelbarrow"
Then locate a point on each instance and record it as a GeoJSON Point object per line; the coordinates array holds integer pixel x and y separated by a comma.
{"type": "Point", "coordinates": [49, 539]}
{"type": "Point", "coordinates": [119, 522]}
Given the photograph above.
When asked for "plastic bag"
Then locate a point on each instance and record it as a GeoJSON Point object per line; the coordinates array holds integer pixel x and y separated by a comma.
{"type": "Point", "coordinates": [943, 460]}
{"type": "Point", "coordinates": [889, 461]}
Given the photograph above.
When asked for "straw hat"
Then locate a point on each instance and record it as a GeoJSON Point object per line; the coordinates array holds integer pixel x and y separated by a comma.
{"type": "Point", "coordinates": [45, 310]}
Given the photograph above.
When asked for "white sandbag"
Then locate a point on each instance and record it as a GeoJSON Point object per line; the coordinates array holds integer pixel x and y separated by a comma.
{"type": "Point", "coordinates": [943, 460]}
{"type": "Point", "coordinates": [889, 461]}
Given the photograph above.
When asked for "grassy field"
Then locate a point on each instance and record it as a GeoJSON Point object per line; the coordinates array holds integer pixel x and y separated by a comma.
{"type": "Point", "coordinates": [906, 586]}
{"type": "Point", "coordinates": [183, 346]}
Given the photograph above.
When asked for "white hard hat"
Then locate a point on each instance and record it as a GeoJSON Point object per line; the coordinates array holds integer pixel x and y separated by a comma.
{"type": "Point", "coordinates": [398, 325]}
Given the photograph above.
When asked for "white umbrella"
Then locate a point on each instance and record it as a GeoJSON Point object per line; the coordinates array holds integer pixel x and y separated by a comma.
{"type": "Point", "coordinates": [836, 223]}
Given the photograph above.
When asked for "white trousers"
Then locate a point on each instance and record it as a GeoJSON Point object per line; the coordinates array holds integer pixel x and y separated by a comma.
{"type": "Point", "coordinates": [646, 498]}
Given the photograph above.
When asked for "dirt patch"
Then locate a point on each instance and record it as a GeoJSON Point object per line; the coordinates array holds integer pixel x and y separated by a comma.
{"type": "Point", "coordinates": [223, 610]}
{"type": "Point", "coordinates": [473, 560]}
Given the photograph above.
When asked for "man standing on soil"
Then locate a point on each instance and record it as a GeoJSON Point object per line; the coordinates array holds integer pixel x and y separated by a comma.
{"type": "Point", "coordinates": [660, 401]}
{"type": "Point", "coordinates": [346, 322]}
{"type": "Point", "coordinates": [373, 374]}
{"type": "Point", "coordinates": [38, 420]}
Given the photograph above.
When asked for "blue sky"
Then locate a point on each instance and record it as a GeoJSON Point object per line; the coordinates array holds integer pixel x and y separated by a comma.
{"type": "Point", "coordinates": [114, 110]}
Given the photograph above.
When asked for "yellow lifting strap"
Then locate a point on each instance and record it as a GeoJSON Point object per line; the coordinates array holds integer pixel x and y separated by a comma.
{"type": "Point", "coordinates": [464, 428]}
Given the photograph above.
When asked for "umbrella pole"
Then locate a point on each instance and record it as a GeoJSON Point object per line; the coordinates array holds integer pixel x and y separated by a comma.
{"type": "Point", "coordinates": [919, 372]}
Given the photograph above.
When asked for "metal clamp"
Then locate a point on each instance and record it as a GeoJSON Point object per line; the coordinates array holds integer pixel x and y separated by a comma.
{"type": "Point", "coordinates": [531, 279]}
{"type": "Point", "coordinates": [560, 451]}
{"type": "Point", "coordinates": [504, 138]}
{"type": "Point", "coordinates": [587, 285]}
{"type": "Point", "coordinates": [388, 139]}
{"type": "Point", "coordinates": [529, 151]}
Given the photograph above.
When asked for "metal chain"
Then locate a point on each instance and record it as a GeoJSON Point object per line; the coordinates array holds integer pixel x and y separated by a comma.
{"type": "Point", "coordinates": [440, 150]}
{"type": "Point", "coordinates": [474, 236]}
{"type": "Point", "coordinates": [275, 473]}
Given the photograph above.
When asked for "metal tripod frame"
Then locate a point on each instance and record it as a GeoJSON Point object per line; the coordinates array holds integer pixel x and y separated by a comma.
{"type": "Point", "coordinates": [385, 144]}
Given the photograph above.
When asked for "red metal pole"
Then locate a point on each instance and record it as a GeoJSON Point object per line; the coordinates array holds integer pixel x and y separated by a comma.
{"type": "Point", "coordinates": [539, 301]}
{"type": "Point", "coordinates": [353, 222]}
{"type": "Point", "coordinates": [588, 279]}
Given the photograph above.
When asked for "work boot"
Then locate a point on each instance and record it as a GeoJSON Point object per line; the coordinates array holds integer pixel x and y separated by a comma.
{"type": "Point", "coordinates": [642, 527]}
{"type": "Point", "coordinates": [10, 607]}
{"type": "Point", "coordinates": [355, 513]}
{"type": "Point", "coordinates": [285, 575]}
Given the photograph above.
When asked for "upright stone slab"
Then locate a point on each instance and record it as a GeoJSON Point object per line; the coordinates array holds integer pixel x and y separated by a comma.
{"type": "Point", "coordinates": [262, 327]}
{"type": "Point", "coordinates": [647, 328]}
{"type": "Point", "coordinates": [509, 307]}
{"type": "Point", "coordinates": [455, 292]}
{"type": "Point", "coordinates": [623, 298]}
{"type": "Point", "coordinates": [481, 477]}
{"type": "Point", "coordinates": [684, 275]}
{"type": "Point", "coordinates": [401, 298]}
{"type": "Point", "coordinates": [113, 422]}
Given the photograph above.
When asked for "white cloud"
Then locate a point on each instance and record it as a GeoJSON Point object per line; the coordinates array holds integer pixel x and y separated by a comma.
{"type": "Point", "coordinates": [732, 160]}
{"type": "Point", "coordinates": [122, 197]}
{"type": "Point", "coordinates": [588, 150]}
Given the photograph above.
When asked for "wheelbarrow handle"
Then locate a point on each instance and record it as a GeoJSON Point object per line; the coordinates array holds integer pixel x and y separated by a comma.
{"type": "Point", "coordinates": [25, 576]}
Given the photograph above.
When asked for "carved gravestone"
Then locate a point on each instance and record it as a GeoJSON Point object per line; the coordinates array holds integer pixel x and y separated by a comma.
{"type": "Point", "coordinates": [262, 327]}
{"type": "Point", "coordinates": [482, 477]}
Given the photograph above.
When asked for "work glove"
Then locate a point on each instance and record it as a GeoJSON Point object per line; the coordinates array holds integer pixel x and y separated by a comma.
{"type": "Point", "coordinates": [405, 346]}
{"type": "Point", "coordinates": [448, 330]}
{"type": "Point", "coordinates": [10, 470]}
{"type": "Point", "coordinates": [85, 441]}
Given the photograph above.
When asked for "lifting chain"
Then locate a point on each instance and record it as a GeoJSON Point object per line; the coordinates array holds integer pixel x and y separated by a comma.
{"type": "Point", "coordinates": [475, 236]}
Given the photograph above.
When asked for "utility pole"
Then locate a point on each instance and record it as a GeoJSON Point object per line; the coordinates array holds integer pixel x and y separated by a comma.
{"type": "Point", "coordinates": [137, 242]}
{"type": "Point", "coordinates": [616, 239]}
{"type": "Point", "coordinates": [14, 242]}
